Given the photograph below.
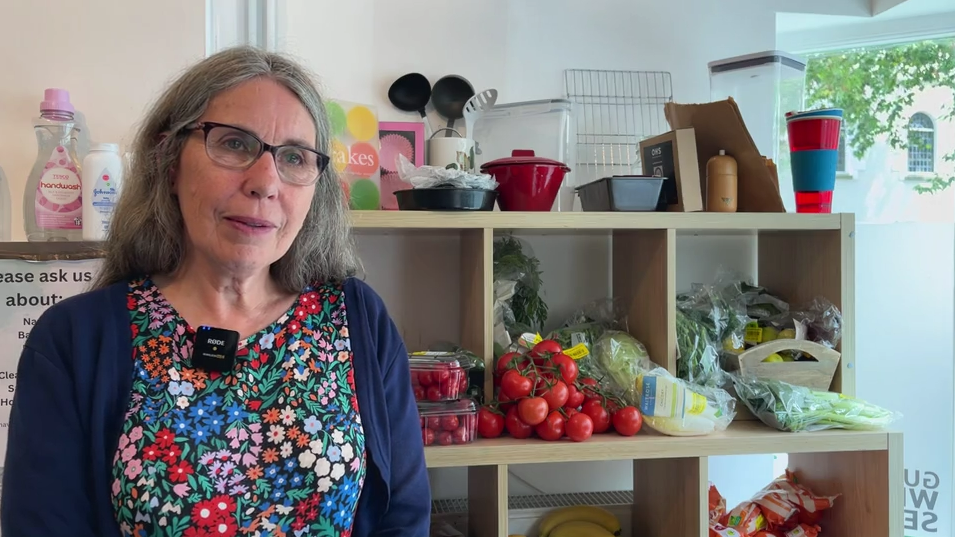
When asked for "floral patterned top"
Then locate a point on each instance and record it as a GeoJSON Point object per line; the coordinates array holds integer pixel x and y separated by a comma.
{"type": "Point", "coordinates": [273, 448]}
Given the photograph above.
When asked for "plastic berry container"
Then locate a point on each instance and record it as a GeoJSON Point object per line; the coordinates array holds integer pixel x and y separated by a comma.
{"type": "Point", "coordinates": [440, 376]}
{"type": "Point", "coordinates": [445, 423]}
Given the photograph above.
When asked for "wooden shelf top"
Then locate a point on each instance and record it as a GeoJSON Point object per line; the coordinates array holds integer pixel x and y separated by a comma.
{"type": "Point", "coordinates": [742, 438]}
{"type": "Point", "coordinates": [587, 220]}
{"type": "Point", "coordinates": [51, 251]}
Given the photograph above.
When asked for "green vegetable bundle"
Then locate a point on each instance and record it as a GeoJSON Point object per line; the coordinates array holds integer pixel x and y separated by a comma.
{"type": "Point", "coordinates": [698, 358]}
{"type": "Point", "coordinates": [511, 262]}
{"type": "Point", "coordinates": [796, 408]}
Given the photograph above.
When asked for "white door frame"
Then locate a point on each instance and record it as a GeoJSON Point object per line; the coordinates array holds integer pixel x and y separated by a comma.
{"type": "Point", "coordinates": [259, 23]}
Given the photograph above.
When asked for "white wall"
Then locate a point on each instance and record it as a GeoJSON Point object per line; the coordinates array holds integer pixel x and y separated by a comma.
{"type": "Point", "coordinates": [522, 48]}
{"type": "Point", "coordinates": [113, 58]}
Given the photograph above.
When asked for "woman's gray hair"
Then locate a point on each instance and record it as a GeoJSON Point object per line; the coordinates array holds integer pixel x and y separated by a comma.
{"type": "Point", "coordinates": [147, 235]}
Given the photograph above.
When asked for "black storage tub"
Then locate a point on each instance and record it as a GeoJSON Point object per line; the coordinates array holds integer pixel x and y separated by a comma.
{"type": "Point", "coordinates": [446, 199]}
{"type": "Point", "coordinates": [622, 193]}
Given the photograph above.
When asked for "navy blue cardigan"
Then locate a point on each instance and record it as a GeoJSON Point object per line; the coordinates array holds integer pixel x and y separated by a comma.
{"type": "Point", "coordinates": [73, 387]}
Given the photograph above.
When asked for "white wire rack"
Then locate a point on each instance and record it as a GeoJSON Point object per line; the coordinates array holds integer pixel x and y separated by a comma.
{"type": "Point", "coordinates": [615, 110]}
{"type": "Point", "coordinates": [542, 501]}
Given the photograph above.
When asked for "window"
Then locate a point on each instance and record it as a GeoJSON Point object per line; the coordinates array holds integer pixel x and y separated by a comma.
{"type": "Point", "coordinates": [921, 156]}
{"type": "Point", "coordinates": [841, 163]}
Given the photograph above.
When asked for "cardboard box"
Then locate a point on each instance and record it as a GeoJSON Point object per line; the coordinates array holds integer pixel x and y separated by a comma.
{"type": "Point", "coordinates": [674, 155]}
{"type": "Point", "coordinates": [719, 125]}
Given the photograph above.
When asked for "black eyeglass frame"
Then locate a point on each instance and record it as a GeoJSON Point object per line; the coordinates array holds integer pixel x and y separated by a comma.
{"type": "Point", "coordinates": [322, 160]}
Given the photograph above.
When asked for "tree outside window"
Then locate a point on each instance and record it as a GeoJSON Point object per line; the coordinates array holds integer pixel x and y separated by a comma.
{"type": "Point", "coordinates": [875, 86]}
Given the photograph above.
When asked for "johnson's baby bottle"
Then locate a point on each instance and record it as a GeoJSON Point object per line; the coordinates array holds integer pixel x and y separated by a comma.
{"type": "Point", "coordinates": [52, 202]}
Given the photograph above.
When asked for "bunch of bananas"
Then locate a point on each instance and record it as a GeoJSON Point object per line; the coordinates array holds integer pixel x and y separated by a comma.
{"type": "Point", "coordinates": [580, 521]}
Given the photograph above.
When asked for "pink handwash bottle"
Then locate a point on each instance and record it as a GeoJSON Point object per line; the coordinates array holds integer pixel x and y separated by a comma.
{"type": "Point", "coordinates": [52, 201]}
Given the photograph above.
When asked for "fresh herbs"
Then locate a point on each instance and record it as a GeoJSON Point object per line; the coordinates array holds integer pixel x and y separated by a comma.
{"type": "Point", "coordinates": [698, 359]}
{"type": "Point", "coordinates": [512, 263]}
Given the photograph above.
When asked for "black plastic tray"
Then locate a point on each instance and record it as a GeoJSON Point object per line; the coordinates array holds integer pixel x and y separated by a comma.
{"type": "Point", "coordinates": [622, 193]}
{"type": "Point", "coordinates": [446, 199]}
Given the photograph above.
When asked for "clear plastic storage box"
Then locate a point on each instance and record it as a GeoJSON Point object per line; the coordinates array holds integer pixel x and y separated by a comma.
{"type": "Point", "coordinates": [440, 376]}
{"type": "Point", "coordinates": [546, 127]}
{"type": "Point", "coordinates": [445, 423]}
{"type": "Point", "coordinates": [765, 86]}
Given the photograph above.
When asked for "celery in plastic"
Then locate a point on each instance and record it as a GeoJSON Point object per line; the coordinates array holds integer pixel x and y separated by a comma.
{"type": "Point", "coordinates": [796, 408]}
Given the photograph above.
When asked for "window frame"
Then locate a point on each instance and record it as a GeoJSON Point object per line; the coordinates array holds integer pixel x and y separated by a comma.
{"type": "Point", "coordinates": [933, 131]}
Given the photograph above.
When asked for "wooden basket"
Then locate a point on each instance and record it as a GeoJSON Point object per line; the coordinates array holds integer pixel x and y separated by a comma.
{"type": "Point", "coordinates": [814, 375]}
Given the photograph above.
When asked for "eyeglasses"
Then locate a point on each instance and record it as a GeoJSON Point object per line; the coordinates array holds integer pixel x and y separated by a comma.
{"type": "Point", "coordinates": [237, 148]}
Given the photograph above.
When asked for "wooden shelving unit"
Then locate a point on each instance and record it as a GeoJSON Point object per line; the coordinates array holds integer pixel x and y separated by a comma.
{"type": "Point", "coordinates": [799, 257]}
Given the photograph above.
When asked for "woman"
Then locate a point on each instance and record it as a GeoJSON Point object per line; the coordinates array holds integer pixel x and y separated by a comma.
{"type": "Point", "coordinates": [133, 416]}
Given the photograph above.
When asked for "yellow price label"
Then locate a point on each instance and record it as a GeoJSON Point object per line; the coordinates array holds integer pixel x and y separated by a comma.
{"type": "Point", "coordinates": [697, 403]}
{"type": "Point", "coordinates": [528, 340]}
{"type": "Point", "coordinates": [753, 334]}
{"type": "Point", "coordinates": [578, 351]}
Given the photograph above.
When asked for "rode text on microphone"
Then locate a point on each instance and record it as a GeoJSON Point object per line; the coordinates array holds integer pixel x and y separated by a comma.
{"type": "Point", "coordinates": [214, 349]}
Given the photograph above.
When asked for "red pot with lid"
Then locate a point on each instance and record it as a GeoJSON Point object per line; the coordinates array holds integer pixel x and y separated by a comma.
{"type": "Point", "coordinates": [526, 182]}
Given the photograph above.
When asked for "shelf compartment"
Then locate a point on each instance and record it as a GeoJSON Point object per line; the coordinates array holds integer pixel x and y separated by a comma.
{"type": "Point", "coordinates": [644, 278]}
{"type": "Point", "coordinates": [477, 297]}
{"type": "Point", "coordinates": [869, 484]}
{"type": "Point", "coordinates": [743, 438]}
{"type": "Point", "coordinates": [670, 497]}
{"type": "Point", "coordinates": [512, 220]}
{"type": "Point", "coordinates": [801, 265]}
{"type": "Point", "coordinates": [435, 283]}
{"type": "Point", "coordinates": [487, 500]}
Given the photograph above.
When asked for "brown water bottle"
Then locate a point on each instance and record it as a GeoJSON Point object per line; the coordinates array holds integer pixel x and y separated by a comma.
{"type": "Point", "coordinates": [721, 184]}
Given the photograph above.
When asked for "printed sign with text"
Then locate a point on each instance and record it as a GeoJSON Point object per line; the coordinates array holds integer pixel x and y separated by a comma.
{"type": "Point", "coordinates": [27, 289]}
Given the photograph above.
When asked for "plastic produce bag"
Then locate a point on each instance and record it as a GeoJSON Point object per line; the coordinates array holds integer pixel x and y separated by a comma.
{"type": "Point", "coordinates": [503, 316]}
{"type": "Point", "coordinates": [711, 320]}
{"type": "Point", "coordinates": [698, 355]}
{"type": "Point", "coordinates": [677, 408]}
{"type": "Point", "coordinates": [436, 176]}
{"type": "Point", "coordinates": [669, 405]}
{"type": "Point", "coordinates": [822, 320]}
{"type": "Point", "coordinates": [514, 261]}
{"type": "Point", "coordinates": [791, 408]}
{"type": "Point", "coordinates": [588, 323]}
{"type": "Point", "coordinates": [586, 327]}
{"type": "Point", "coordinates": [616, 354]}
{"type": "Point", "coordinates": [784, 508]}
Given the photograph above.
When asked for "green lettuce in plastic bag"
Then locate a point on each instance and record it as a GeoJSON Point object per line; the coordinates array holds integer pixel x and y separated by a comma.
{"type": "Point", "coordinates": [669, 405]}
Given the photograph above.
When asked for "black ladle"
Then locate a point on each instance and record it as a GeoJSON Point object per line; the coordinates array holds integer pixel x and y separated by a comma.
{"type": "Point", "coordinates": [449, 95]}
{"type": "Point", "coordinates": [411, 93]}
